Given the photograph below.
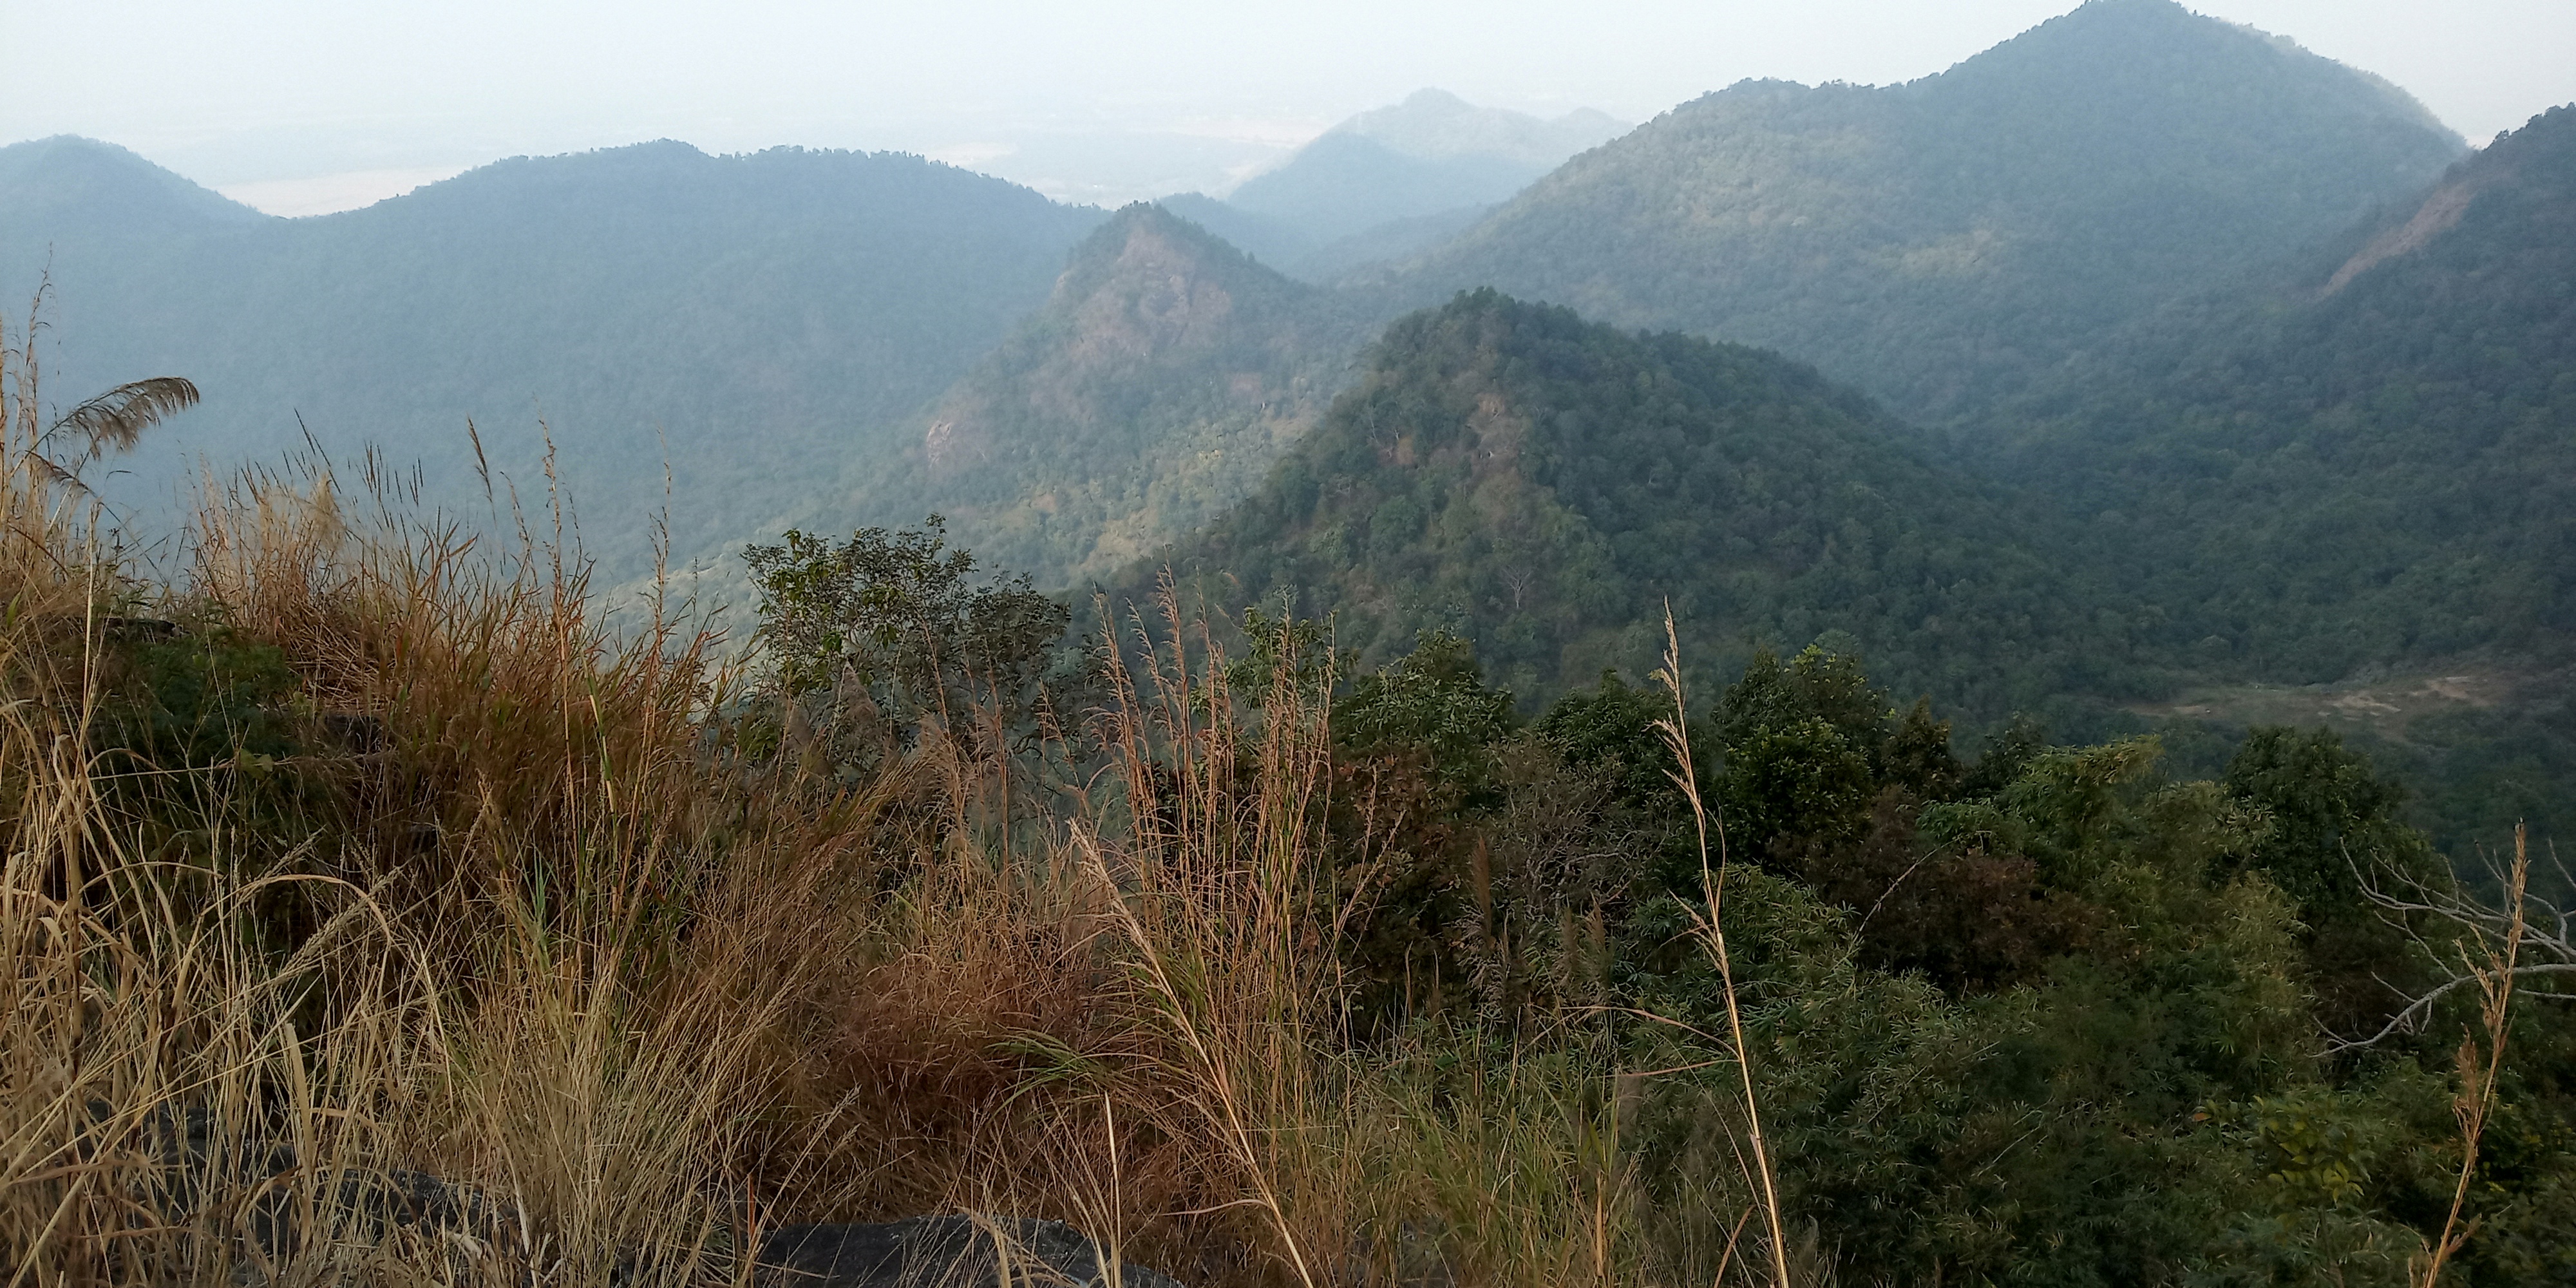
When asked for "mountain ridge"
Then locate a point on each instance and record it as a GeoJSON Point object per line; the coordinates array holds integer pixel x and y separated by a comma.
{"type": "Point", "coordinates": [1390, 181]}
{"type": "Point", "coordinates": [1158, 382]}
{"type": "Point", "coordinates": [1936, 241]}
{"type": "Point", "coordinates": [1541, 483]}
{"type": "Point", "coordinates": [2401, 397]}
{"type": "Point", "coordinates": [738, 317]}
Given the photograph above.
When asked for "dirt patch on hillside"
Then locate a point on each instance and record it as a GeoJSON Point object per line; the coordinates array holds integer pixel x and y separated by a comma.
{"type": "Point", "coordinates": [2438, 213]}
{"type": "Point", "coordinates": [2383, 706]}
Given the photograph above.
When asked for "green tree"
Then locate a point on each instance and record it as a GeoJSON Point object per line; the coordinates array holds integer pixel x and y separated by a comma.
{"type": "Point", "coordinates": [897, 624]}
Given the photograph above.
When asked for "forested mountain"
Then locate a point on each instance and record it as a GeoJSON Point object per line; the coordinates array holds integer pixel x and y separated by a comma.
{"type": "Point", "coordinates": [2358, 471]}
{"type": "Point", "coordinates": [1391, 181]}
{"type": "Point", "coordinates": [1432, 152]}
{"type": "Point", "coordinates": [742, 318]}
{"type": "Point", "coordinates": [2351, 470]}
{"type": "Point", "coordinates": [1936, 241]}
{"type": "Point", "coordinates": [2368, 456]}
{"type": "Point", "coordinates": [1162, 378]}
{"type": "Point", "coordinates": [1543, 484]}
{"type": "Point", "coordinates": [78, 199]}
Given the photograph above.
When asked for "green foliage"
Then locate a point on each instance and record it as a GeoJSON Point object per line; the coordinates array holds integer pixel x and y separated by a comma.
{"type": "Point", "coordinates": [1295, 650]}
{"type": "Point", "coordinates": [894, 624]}
{"type": "Point", "coordinates": [1542, 485]}
{"type": "Point", "coordinates": [199, 698]}
{"type": "Point", "coordinates": [2333, 822]}
{"type": "Point", "coordinates": [2051, 1131]}
{"type": "Point", "coordinates": [1610, 728]}
{"type": "Point", "coordinates": [2333, 828]}
{"type": "Point", "coordinates": [1433, 701]}
{"type": "Point", "coordinates": [2042, 1018]}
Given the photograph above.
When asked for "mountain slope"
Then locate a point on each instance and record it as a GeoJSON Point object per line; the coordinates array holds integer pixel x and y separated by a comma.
{"type": "Point", "coordinates": [2367, 456]}
{"type": "Point", "coordinates": [1937, 241]}
{"type": "Point", "coordinates": [1430, 153]}
{"type": "Point", "coordinates": [1392, 181]}
{"type": "Point", "coordinates": [1544, 484]}
{"type": "Point", "coordinates": [73, 193]}
{"type": "Point", "coordinates": [1164, 375]}
{"type": "Point", "coordinates": [741, 318]}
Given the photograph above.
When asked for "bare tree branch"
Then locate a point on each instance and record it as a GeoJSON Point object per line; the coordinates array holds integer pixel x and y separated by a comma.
{"type": "Point", "coordinates": [2536, 939]}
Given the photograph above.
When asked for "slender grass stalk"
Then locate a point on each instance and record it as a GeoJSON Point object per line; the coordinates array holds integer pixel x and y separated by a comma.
{"type": "Point", "coordinates": [1676, 733]}
{"type": "Point", "coordinates": [2480, 1069]}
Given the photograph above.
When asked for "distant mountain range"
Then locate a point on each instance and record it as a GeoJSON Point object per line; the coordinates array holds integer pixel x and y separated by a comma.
{"type": "Point", "coordinates": [1392, 181]}
{"type": "Point", "coordinates": [1937, 242]}
{"type": "Point", "coordinates": [2357, 472]}
{"type": "Point", "coordinates": [2367, 452]}
{"type": "Point", "coordinates": [750, 323]}
{"type": "Point", "coordinates": [2363, 456]}
{"type": "Point", "coordinates": [2356, 457]}
{"type": "Point", "coordinates": [1156, 387]}
{"type": "Point", "coordinates": [2355, 468]}
{"type": "Point", "coordinates": [1945, 244]}
{"type": "Point", "coordinates": [2140, 354]}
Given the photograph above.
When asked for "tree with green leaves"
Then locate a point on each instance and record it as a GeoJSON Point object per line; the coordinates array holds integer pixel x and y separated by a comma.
{"type": "Point", "coordinates": [896, 626]}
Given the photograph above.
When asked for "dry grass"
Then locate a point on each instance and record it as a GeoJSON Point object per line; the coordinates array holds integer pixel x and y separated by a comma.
{"type": "Point", "coordinates": [518, 916]}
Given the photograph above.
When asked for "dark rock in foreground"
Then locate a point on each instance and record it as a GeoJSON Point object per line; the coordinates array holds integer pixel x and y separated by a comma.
{"type": "Point", "coordinates": [942, 1252]}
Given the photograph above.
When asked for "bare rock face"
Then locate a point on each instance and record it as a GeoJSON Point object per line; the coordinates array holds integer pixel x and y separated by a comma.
{"type": "Point", "coordinates": [957, 1251]}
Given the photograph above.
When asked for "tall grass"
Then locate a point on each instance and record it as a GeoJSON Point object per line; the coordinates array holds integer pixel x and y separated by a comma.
{"type": "Point", "coordinates": [517, 967]}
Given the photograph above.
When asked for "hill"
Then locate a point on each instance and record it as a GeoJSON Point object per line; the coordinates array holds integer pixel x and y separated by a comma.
{"type": "Point", "coordinates": [71, 195]}
{"type": "Point", "coordinates": [1430, 153]}
{"type": "Point", "coordinates": [2366, 455]}
{"type": "Point", "coordinates": [1163, 376]}
{"type": "Point", "coordinates": [2353, 476]}
{"type": "Point", "coordinates": [1542, 484]}
{"type": "Point", "coordinates": [741, 318]}
{"type": "Point", "coordinates": [1392, 181]}
{"type": "Point", "coordinates": [1935, 242]}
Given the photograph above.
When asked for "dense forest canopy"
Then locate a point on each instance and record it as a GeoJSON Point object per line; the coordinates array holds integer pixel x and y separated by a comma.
{"type": "Point", "coordinates": [1543, 484]}
{"type": "Point", "coordinates": [2363, 456]}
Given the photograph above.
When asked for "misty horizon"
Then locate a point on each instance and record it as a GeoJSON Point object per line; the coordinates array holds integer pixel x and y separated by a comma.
{"type": "Point", "coordinates": [299, 126]}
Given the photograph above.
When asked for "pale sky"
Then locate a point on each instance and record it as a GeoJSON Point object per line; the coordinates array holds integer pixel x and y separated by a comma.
{"type": "Point", "coordinates": [304, 105]}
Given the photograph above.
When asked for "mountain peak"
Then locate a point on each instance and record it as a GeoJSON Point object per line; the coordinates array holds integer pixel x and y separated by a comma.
{"type": "Point", "coordinates": [1432, 98]}
{"type": "Point", "coordinates": [1543, 483]}
{"type": "Point", "coordinates": [1146, 238]}
{"type": "Point", "coordinates": [1432, 123]}
{"type": "Point", "coordinates": [2148, 49]}
{"type": "Point", "coordinates": [69, 185]}
{"type": "Point", "coordinates": [1938, 239]}
{"type": "Point", "coordinates": [1434, 155]}
{"type": "Point", "coordinates": [1164, 374]}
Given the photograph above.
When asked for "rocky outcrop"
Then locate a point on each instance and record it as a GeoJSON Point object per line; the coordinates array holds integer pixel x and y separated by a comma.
{"type": "Point", "coordinates": [251, 1184]}
{"type": "Point", "coordinates": [958, 1251]}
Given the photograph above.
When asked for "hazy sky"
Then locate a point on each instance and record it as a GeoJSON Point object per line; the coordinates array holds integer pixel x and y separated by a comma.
{"type": "Point", "coordinates": [300, 105]}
